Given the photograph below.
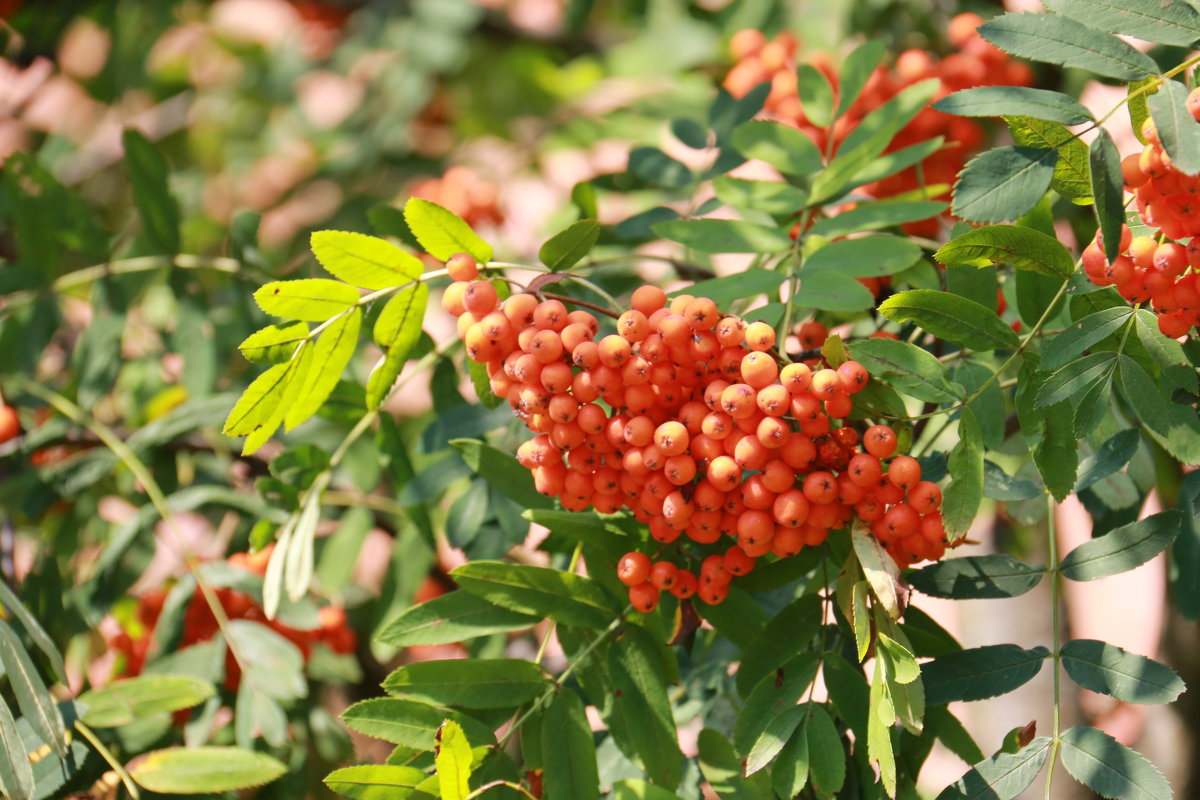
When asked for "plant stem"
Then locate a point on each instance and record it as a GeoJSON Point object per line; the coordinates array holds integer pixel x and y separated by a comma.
{"type": "Point", "coordinates": [108, 756]}
{"type": "Point", "coordinates": [1056, 655]}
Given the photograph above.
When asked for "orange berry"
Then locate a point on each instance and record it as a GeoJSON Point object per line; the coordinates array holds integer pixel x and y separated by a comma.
{"type": "Point", "coordinates": [663, 574]}
{"type": "Point", "coordinates": [904, 471]}
{"type": "Point", "coordinates": [790, 508]}
{"type": "Point", "coordinates": [730, 331]}
{"type": "Point", "coordinates": [880, 441]}
{"type": "Point", "coordinates": [550, 315]}
{"type": "Point", "coordinates": [685, 585]}
{"type": "Point", "coordinates": [925, 497]}
{"type": "Point", "coordinates": [702, 314]}
{"type": "Point", "coordinates": [452, 299]}
{"type": "Point", "coordinates": [479, 297]}
{"type": "Point", "coordinates": [546, 346]}
{"type": "Point", "coordinates": [760, 336]}
{"type": "Point", "coordinates": [820, 487]}
{"type": "Point", "coordinates": [648, 299]}
{"type": "Point", "coordinates": [643, 597]}
{"type": "Point", "coordinates": [462, 267]}
{"type": "Point", "coordinates": [737, 562]}
{"type": "Point", "coordinates": [759, 369]}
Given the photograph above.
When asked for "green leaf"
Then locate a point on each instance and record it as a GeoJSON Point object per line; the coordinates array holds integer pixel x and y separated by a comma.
{"type": "Point", "coordinates": [1179, 132]}
{"type": "Point", "coordinates": [816, 95]}
{"type": "Point", "coordinates": [999, 485]}
{"type": "Point", "coordinates": [1003, 776]}
{"type": "Point", "coordinates": [964, 493]}
{"type": "Point", "coordinates": [1072, 175]}
{"type": "Point", "coordinates": [1056, 455]}
{"type": "Point", "coordinates": [723, 291]}
{"type": "Point", "coordinates": [832, 291]}
{"type": "Point", "coordinates": [1015, 101]}
{"type": "Point", "coordinates": [397, 330]}
{"type": "Point", "coordinates": [453, 762]}
{"type": "Point", "coordinates": [640, 684]}
{"type": "Point", "coordinates": [637, 789]}
{"type": "Point", "coordinates": [826, 755]}
{"type": "Point", "coordinates": [874, 216]}
{"type": "Point", "coordinates": [452, 617]}
{"type": "Point", "coordinates": [271, 662]}
{"type": "Point", "coordinates": [786, 148]}
{"type": "Point", "coordinates": [1107, 669]}
{"type": "Point", "coordinates": [442, 232]}
{"type": "Point", "coordinates": [976, 577]}
{"type": "Point", "coordinates": [789, 773]}
{"type": "Point", "coordinates": [889, 164]}
{"type": "Point", "coordinates": [16, 774]}
{"type": "Point", "coordinates": [688, 131]}
{"type": "Point", "coordinates": [1003, 183]}
{"type": "Point", "coordinates": [571, 599]}
{"type": "Point", "coordinates": [125, 701]}
{"type": "Point", "coordinates": [568, 247]}
{"type": "Point", "coordinates": [384, 782]}
{"type": "Point", "coordinates": [910, 369]}
{"type": "Point", "coordinates": [856, 71]}
{"type": "Point", "coordinates": [950, 732]}
{"type": "Point", "coordinates": [205, 770]}
{"type": "Point", "coordinates": [1081, 335]}
{"type": "Point", "coordinates": [1138, 105]}
{"type": "Point", "coordinates": [948, 316]}
{"type": "Point", "coordinates": [1108, 188]}
{"type": "Point", "coordinates": [788, 633]}
{"type": "Point", "coordinates": [1076, 378]}
{"type": "Point", "coordinates": [1022, 247]}
{"type": "Point", "coordinates": [410, 723]}
{"type": "Point", "coordinates": [774, 737]}
{"type": "Point", "coordinates": [1144, 395]}
{"type": "Point", "coordinates": [865, 257]}
{"type": "Point", "coordinates": [502, 472]}
{"type": "Point", "coordinates": [33, 698]}
{"type": "Point", "coordinates": [1063, 41]}
{"type": "Point", "coordinates": [879, 731]}
{"type": "Point", "coordinates": [568, 751]}
{"type": "Point", "coordinates": [724, 235]}
{"type": "Point", "coordinates": [720, 766]}
{"type": "Point", "coordinates": [773, 197]}
{"type": "Point", "coordinates": [1109, 768]}
{"type": "Point", "coordinates": [878, 567]}
{"type": "Point", "coordinates": [148, 175]}
{"type": "Point", "coordinates": [1124, 548]}
{"type": "Point", "coordinates": [471, 683]}
{"type": "Point", "coordinates": [364, 261]}
{"type": "Point", "coordinates": [13, 606]}
{"type": "Point", "coordinates": [274, 344]}
{"type": "Point", "coordinates": [1154, 21]}
{"type": "Point", "coordinates": [1108, 458]}
{"type": "Point", "coordinates": [309, 299]}
{"type": "Point", "coordinates": [775, 694]}
{"type": "Point", "coordinates": [330, 355]}
{"type": "Point", "coordinates": [657, 167]}
{"type": "Point", "coordinates": [981, 672]}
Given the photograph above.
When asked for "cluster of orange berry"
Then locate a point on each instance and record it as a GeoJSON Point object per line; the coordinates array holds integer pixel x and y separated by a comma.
{"type": "Point", "coordinates": [977, 63]}
{"type": "Point", "coordinates": [685, 417]}
{"type": "Point", "coordinates": [200, 625]}
{"type": "Point", "coordinates": [1166, 274]}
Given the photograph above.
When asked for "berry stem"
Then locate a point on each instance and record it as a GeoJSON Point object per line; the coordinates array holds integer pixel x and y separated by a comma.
{"type": "Point", "coordinates": [562, 298]}
{"type": "Point", "coordinates": [1056, 654]}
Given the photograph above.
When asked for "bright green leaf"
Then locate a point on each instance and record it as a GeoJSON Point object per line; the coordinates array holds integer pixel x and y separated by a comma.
{"type": "Point", "coordinates": [786, 148]}
{"type": "Point", "coordinates": [274, 344]}
{"type": "Point", "coordinates": [205, 770]}
{"type": "Point", "coordinates": [453, 762]}
{"type": "Point", "coordinates": [442, 232]}
{"type": "Point", "coordinates": [878, 566]}
{"type": "Point", "coordinates": [452, 617]}
{"type": "Point", "coordinates": [874, 216]}
{"type": "Point", "coordinates": [567, 247]}
{"type": "Point", "coordinates": [308, 299]}
{"type": "Point", "coordinates": [371, 782]}
{"type": "Point", "coordinates": [330, 355]}
{"type": "Point", "coordinates": [948, 316]}
{"type": "Point", "coordinates": [568, 751]}
{"type": "Point", "coordinates": [397, 330]}
{"type": "Point", "coordinates": [773, 197]}
{"type": "Point", "coordinates": [1022, 247]}
{"type": "Point", "coordinates": [364, 261]}
{"type": "Point", "coordinates": [906, 367]}
{"type": "Point", "coordinates": [832, 291]}
{"type": "Point", "coordinates": [127, 700]}
{"type": "Point", "coordinates": [724, 235]}
{"type": "Point", "coordinates": [471, 683]}
{"type": "Point", "coordinates": [571, 599]}
{"type": "Point", "coordinates": [409, 722]}
{"type": "Point", "coordinates": [866, 257]}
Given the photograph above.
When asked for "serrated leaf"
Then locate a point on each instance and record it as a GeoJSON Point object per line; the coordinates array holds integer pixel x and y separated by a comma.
{"type": "Point", "coordinates": [1108, 458]}
{"type": "Point", "coordinates": [16, 774]}
{"type": "Point", "coordinates": [720, 766]}
{"type": "Point", "coordinates": [205, 770]}
{"type": "Point", "coordinates": [13, 606]}
{"type": "Point", "coordinates": [1108, 189]}
{"type": "Point", "coordinates": [1144, 395]}
{"type": "Point", "coordinates": [1056, 455]}
{"type": "Point", "coordinates": [442, 232]}
{"type": "Point", "coordinates": [981, 672]}
{"type": "Point", "coordinates": [1003, 183]}
{"type": "Point", "coordinates": [948, 316]}
{"type": "Point", "coordinates": [856, 71]}
{"type": "Point", "coordinates": [826, 756]}
{"type": "Point", "coordinates": [874, 216]}
{"type": "Point", "coordinates": [308, 299]}
{"type": "Point", "coordinates": [151, 194]}
{"type": "Point", "coordinates": [1178, 131]}
{"type": "Point", "coordinates": [964, 493]}
{"type": "Point", "coordinates": [789, 773]}
{"type": "Point", "coordinates": [364, 261]}
{"type": "Point", "coordinates": [1076, 378]}
{"type": "Point", "coordinates": [910, 369]}
{"type": "Point", "coordinates": [571, 599]}
{"type": "Point", "coordinates": [397, 330]}
{"type": "Point", "coordinates": [1022, 247]}
{"type": "Point", "coordinates": [471, 683]}
{"type": "Point", "coordinates": [1063, 41]}
{"type": "Point", "coordinates": [1109, 768]}
{"type": "Point", "coordinates": [274, 344]}
{"type": "Point", "coordinates": [568, 752]}
{"type": "Point", "coordinates": [878, 566]}
{"type": "Point", "coordinates": [1124, 548]}
{"type": "Point", "coordinates": [330, 355]}
{"type": "Point", "coordinates": [127, 700]}
{"type": "Point", "coordinates": [33, 698]}
{"type": "Point", "coordinates": [1107, 669]}
{"type": "Point", "coordinates": [568, 247]}
{"type": "Point", "coordinates": [1072, 174]}
{"type": "Point", "coordinates": [864, 257]}
{"type": "Point", "coordinates": [1003, 776]}
{"type": "Point", "coordinates": [832, 291]}
{"type": "Point", "coordinates": [881, 718]}
{"type": "Point", "coordinates": [773, 197]}
{"type": "Point", "coordinates": [1152, 20]}
{"type": "Point", "coordinates": [502, 472]}
{"type": "Point", "coordinates": [975, 577]}
{"type": "Point", "coordinates": [371, 782]}
{"type": "Point", "coordinates": [453, 762]}
{"type": "Point", "coordinates": [640, 683]}
{"type": "Point", "coordinates": [786, 148]}
{"type": "Point", "coordinates": [410, 723]}
{"type": "Point", "coordinates": [1015, 101]}
{"type": "Point", "coordinates": [772, 740]}
{"type": "Point", "coordinates": [452, 617]}
{"type": "Point", "coordinates": [772, 696]}
{"type": "Point", "coordinates": [724, 235]}
{"type": "Point", "coordinates": [787, 634]}
{"type": "Point", "coordinates": [1081, 335]}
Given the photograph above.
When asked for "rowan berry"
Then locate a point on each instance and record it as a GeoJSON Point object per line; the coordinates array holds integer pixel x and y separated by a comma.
{"type": "Point", "coordinates": [904, 471]}
{"type": "Point", "coordinates": [760, 336]}
{"type": "Point", "coordinates": [643, 597]}
{"type": "Point", "coordinates": [880, 441]}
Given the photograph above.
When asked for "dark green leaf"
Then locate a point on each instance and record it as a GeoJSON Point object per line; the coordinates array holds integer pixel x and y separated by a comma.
{"type": "Point", "coordinates": [999, 485]}
{"type": "Point", "coordinates": [1081, 335]}
{"type": "Point", "coordinates": [1107, 669]}
{"type": "Point", "coordinates": [789, 773]}
{"type": "Point", "coordinates": [450, 618]}
{"type": "Point", "coordinates": [874, 216]}
{"type": "Point", "coordinates": [722, 769]}
{"type": "Point", "coordinates": [1138, 105]}
{"type": "Point", "coordinates": [1003, 183]}
{"type": "Point", "coordinates": [1108, 458]}
{"type": "Point", "coordinates": [568, 751]}
{"type": "Point", "coordinates": [832, 291]}
{"type": "Point", "coordinates": [772, 696]}
{"type": "Point", "coordinates": [786, 148]}
{"type": "Point", "coordinates": [1022, 247]}
{"type": "Point", "coordinates": [471, 683]}
{"type": "Point", "coordinates": [1018, 101]}
{"type": "Point", "coordinates": [1076, 378]}
{"type": "Point", "coordinates": [724, 235]}
{"type": "Point", "coordinates": [771, 742]}
{"type": "Point", "coordinates": [887, 165]}
{"type": "Point", "coordinates": [773, 197]}
{"type": "Point", "coordinates": [788, 633]}
{"type": "Point", "coordinates": [33, 698]}
{"type": "Point", "coordinates": [865, 257]}
{"type": "Point", "coordinates": [640, 684]}
{"type": "Point", "coordinates": [964, 493]}
{"type": "Point", "coordinates": [502, 472]}
{"type": "Point", "coordinates": [1123, 549]}
{"type": "Point", "coordinates": [856, 71]}
{"type": "Point", "coordinates": [442, 232]}
{"type": "Point", "coordinates": [826, 755]}
{"type": "Point", "coordinates": [689, 132]}
{"type": "Point", "coordinates": [13, 606]}
{"type": "Point", "coordinates": [571, 599]}
{"type": "Point", "coordinates": [975, 577]}
{"type": "Point", "coordinates": [16, 774]}
{"type": "Point", "coordinates": [948, 316]}
{"type": "Point", "coordinates": [1154, 21]}
{"type": "Point", "coordinates": [657, 167]}
{"type": "Point", "coordinates": [1056, 455]}
{"type": "Point", "coordinates": [1003, 776]}
{"type": "Point", "coordinates": [1063, 41]}
{"type": "Point", "coordinates": [205, 770]}
{"type": "Point", "coordinates": [981, 672]}
{"type": "Point", "coordinates": [409, 723]}
{"type": "Point", "coordinates": [364, 261]}
{"type": "Point", "coordinates": [148, 177]}
{"type": "Point", "coordinates": [1179, 132]}
{"type": "Point", "coordinates": [816, 95]}
{"type": "Point", "coordinates": [950, 732]}
{"type": "Point", "coordinates": [1072, 175]}
{"type": "Point", "coordinates": [910, 369]}
{"type": "Point", "coordinates": [1144, 395]}
{"type": "Point", "coordinates": [1108, 189]}
{"type": "Point", "coordinates": [1109, 768]}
